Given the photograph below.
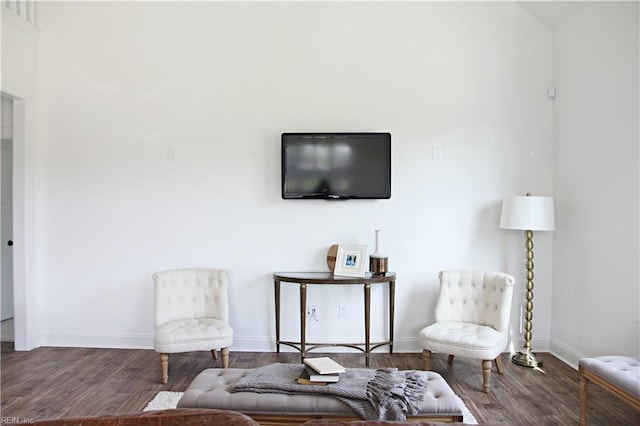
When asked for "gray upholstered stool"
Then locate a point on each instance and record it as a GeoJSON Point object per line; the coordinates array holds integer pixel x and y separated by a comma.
{"type": "Point", "coordinates": [212, 389]}
{"type": "Point", "coordinates": [619, 375]}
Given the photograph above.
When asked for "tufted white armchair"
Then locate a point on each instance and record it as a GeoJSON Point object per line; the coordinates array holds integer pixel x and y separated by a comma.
{"type": "Point", "coordinates": [191, 314]}
{"type": "Point", "coordinates": [472, 318]}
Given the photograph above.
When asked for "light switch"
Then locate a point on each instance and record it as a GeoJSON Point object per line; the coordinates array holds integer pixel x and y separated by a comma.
{"type": "Point", "coordinates": [436, 153]}
{"type": "Point", "coordinates": [171, 153]}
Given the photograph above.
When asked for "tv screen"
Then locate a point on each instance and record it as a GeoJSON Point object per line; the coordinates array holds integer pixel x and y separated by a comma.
{"type": "Point", "coordinates": [336, 166]}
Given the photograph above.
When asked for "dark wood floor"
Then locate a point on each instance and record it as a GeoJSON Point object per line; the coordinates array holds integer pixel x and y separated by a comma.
{"type": "Point", "coordinates": [50, 383]}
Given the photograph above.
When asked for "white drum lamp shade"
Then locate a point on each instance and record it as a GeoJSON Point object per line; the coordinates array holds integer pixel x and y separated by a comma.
{"type": "Point", "coordinates": [528, 213]}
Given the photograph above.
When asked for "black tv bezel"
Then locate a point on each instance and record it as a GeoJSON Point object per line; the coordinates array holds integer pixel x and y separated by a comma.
{"type": "Point", "coordinates": [385, 196]}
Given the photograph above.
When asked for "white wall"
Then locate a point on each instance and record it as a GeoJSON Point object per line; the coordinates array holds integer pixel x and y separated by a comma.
{"type": "Point", "coordinates": [121, 83]}
{"type": "Point", "coordinates": [596, 297]}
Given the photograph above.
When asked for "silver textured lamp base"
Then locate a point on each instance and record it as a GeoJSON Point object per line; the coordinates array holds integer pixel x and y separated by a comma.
{"type": "Point", "coordinates": [526, 358]}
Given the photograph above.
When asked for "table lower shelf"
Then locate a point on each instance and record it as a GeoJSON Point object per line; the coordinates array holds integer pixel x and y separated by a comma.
{"type": "Point", "coordinates": [310, 346]}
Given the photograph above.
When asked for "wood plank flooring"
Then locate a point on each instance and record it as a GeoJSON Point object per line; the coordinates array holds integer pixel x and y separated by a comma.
{"type": "Point", "coordinates": [48, 383]}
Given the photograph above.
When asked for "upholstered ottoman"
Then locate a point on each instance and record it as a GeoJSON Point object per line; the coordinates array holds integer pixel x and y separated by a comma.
{"type": "Point", "coordinates": [213, 389]}
{"type": "Point", "coordinates": [619, 375]}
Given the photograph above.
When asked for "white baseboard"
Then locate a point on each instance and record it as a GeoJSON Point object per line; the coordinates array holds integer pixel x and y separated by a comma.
{"type": "Point", "coordinates": [566, 353]}
{"type": "Point", "coordinates": [240, 343]}
{"type": "Point", "coordinates": [267, 344]}
{"type": "Point", "coordinates": [97, 340]}
{"type": "Point", "coordinates": [537, 345]}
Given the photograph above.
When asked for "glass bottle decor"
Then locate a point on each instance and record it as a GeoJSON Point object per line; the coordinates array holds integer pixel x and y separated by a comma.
{"type": "Point", "coordinates": [377, 260]}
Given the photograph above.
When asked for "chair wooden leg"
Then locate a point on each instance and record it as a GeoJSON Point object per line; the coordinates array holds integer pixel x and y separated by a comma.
{"type": "Point", "coordinates": [486, 374]}
{"type": "Point", "coordinates": [426, 360]}
{"type": "Point", "coordinates": [499, 365]}
{"type": "Point", "coordinates": [583, 400]}
{"type": "Point", "coordinates": [225, 357]}
{"type": "Point", "coordinates": [164, 367]}
{"type": "Point", "coordinates": [450, 359]}
{"type": "Point", "coordinates": [214, 353]}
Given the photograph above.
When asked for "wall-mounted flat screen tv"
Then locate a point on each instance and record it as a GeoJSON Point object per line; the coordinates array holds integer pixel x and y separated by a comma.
{"type": "Point", "coordinates": [336, 166]}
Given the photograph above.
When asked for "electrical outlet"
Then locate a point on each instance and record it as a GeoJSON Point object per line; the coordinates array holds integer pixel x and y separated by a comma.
{"type": "Point", "coordinates": [311, 310]}
{"type": "Point", "coordinates": [343, 311]}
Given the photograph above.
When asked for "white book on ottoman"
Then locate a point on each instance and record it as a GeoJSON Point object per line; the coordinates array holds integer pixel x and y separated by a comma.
{"type": "Point", "coordinates": [324, 365]}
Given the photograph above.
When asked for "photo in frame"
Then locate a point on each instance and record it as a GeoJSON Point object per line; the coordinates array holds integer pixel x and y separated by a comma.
{"type": "Point", "coordinates": [351, 260]}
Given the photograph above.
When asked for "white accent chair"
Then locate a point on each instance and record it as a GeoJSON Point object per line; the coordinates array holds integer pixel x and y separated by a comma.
{"type": "Point", "coordinates": [472, 318]}
{"type": "Point", "coordinates": [191, 314]}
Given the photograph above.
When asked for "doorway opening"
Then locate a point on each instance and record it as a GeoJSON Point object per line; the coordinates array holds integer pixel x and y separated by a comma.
{"type": "Point", "coordinates": [6, 222]}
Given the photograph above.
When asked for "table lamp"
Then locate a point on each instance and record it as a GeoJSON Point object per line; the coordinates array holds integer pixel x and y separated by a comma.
{"type": "Point", "coordinates": [530, 214]}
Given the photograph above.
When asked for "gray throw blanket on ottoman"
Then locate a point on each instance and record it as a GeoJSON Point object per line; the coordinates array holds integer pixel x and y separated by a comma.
{"type": "Point", "coordinates": [382, 394]}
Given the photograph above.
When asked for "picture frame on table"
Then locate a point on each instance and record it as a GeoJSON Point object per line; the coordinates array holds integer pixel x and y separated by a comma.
{"type": "Point", "coordinates": [351, 260]}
